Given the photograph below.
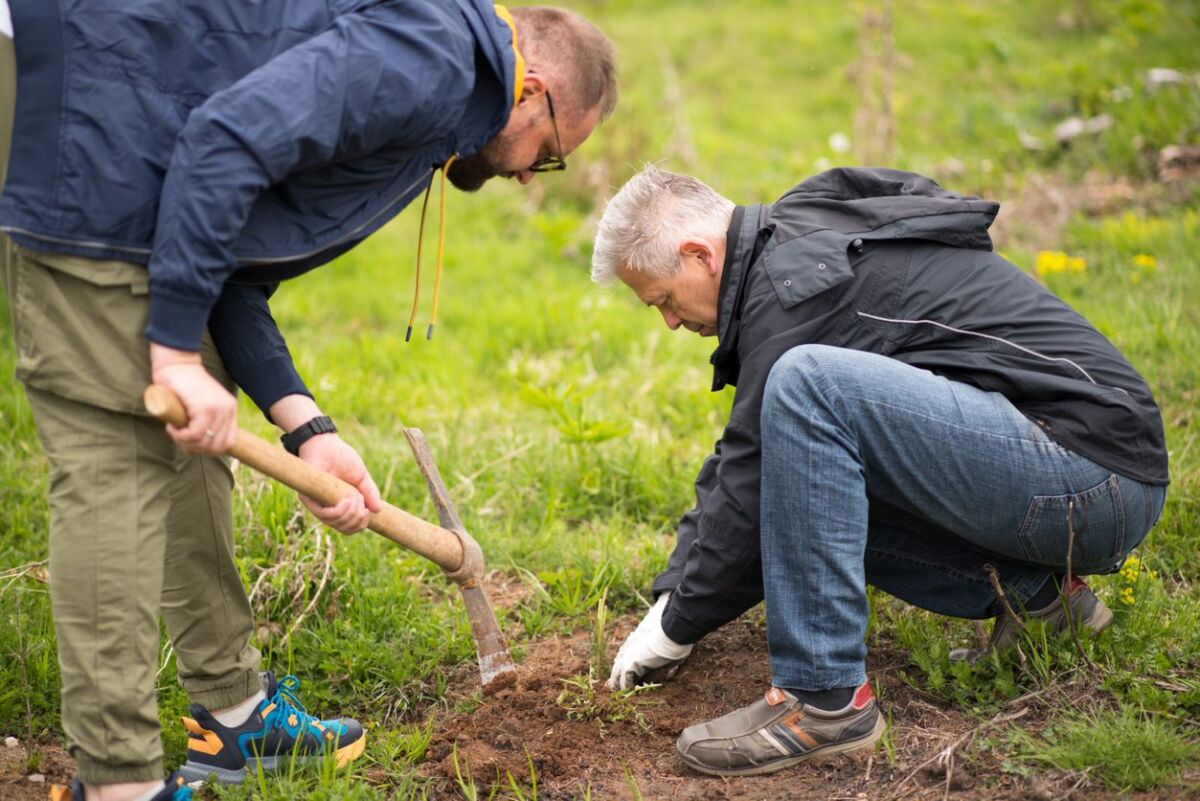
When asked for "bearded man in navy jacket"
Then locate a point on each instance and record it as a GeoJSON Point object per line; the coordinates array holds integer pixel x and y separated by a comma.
{"type": "Point", "coordinates": [170, 164]}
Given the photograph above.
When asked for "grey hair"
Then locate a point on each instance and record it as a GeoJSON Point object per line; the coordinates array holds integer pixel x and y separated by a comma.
{"type": "Point", "coordinates": [646, 222]}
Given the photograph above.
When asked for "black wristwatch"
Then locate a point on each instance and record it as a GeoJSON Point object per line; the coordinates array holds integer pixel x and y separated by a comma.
{"type": "Point", "coordinates": [294, 439]}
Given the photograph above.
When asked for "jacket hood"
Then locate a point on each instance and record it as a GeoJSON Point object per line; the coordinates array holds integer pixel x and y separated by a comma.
{"type": "Point", "coordinates": [818, 221]}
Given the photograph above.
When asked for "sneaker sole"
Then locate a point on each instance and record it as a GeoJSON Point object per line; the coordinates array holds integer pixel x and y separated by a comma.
{"type": "Point", "coordinates": [195, 771]}
{"type": "Point", "coordinates": [787, 762]}
{"type": "Point", "coordinates": [348, 753]}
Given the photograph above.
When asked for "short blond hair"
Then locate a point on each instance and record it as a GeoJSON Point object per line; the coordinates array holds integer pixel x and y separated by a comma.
{"type": "Point", "coordinates": [569, 44]}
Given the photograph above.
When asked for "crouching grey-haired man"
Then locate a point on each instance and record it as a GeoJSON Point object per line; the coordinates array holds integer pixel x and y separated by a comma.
{"type": "Point", "coordinates": [912, 412]}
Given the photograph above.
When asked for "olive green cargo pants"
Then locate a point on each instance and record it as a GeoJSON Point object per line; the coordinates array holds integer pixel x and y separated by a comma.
{"type": "Point", "coordinates": [137, 528]}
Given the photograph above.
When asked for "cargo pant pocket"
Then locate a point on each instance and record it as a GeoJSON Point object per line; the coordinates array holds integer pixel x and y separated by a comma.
{"type": "Point", "coordinates": [78, 333]}
{"type": "Point", "coordinates": [1092, 523]}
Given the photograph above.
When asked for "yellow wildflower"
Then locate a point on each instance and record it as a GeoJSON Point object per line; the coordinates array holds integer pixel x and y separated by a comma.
{"type": "Point", "coordinates": [1050, 261]}
{"type": "Point", "coordinates": [1056, 261]}
{"type": "Point", "coordinates": [1127, 596]}
{"type": "Point", "coordinates": [1145, 261]}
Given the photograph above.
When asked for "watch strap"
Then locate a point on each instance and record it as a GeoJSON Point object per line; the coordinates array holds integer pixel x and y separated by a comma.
{"type": "Point", "coordinates": [297, 437]}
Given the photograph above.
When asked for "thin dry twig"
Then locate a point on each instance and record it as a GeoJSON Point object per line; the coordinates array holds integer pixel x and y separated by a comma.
{"type": "Point", "coordinates": [168, 651]}
{"type": "Point", "coordinates": [994, 577]}
{"type": "Point", "coordinates": [35, 570]}
{"type": "Point", "coordinates": [941, 757]}
{"type": "Point", "coordinates": [1072, 626]}
{"type": "Point", "coordinates": [1029, 696]}
{"type": "Point", "coordinates": [262, 577]}
{"type": "Point", "coordinates": [469, 479]}
{"type": "Point", "coordinates": [21, 570]}
{"type": "Point", "coordinates": [326, 572]}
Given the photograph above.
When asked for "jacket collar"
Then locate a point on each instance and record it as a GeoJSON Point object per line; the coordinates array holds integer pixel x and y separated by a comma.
{"type": "Point", "coordinates": [743, 244]}
{"type": "Point", "coordinates": [519, 68]}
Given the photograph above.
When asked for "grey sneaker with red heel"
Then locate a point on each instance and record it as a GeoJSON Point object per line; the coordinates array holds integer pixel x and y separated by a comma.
{"type": "Point", "coordinates": [778, 731]}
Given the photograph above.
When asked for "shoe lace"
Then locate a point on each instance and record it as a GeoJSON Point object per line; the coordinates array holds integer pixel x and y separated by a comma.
{"type": "Point", "coordinates": [287, 702]}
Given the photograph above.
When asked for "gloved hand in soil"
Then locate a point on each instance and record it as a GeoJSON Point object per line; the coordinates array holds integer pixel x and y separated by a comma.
{"type": "Point", "coordinates": [648, 649]}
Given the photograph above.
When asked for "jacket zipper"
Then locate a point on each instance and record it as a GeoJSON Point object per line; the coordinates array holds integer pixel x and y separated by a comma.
{"type": "Point", "coordinates": [76, 242]}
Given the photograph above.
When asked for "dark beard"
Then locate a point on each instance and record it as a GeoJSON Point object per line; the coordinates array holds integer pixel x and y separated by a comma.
{"type": "Point", "coordinates": [471, 173]}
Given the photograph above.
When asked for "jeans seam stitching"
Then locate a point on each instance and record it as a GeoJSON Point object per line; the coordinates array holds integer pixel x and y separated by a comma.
{"type": "Point", "coordinates": [884, 404]}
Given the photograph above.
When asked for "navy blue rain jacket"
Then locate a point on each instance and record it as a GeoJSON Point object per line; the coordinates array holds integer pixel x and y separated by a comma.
{"type": "Point", "coordinates": [230, 145]}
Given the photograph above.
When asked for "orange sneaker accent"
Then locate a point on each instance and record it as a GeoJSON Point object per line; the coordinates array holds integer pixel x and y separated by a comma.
{"type": "Point", "coordinates": [267, 711]}
{"type": "Point", "coordinates": [775, 696]}
{"type": "Point", "coordinates": [60, 793]}
{"type": "Point", "coordinates": [293, 721]}
{"type": "Point", "coordinates": [348, 753]}
{"type": "Point", "coordinates": [209, 743]}
{"type": "Point", "coordinates": [792, 721]}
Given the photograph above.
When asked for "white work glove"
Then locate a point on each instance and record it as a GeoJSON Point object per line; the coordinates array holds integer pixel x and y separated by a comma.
{"type": "Point", "coordinates": [648, 648]}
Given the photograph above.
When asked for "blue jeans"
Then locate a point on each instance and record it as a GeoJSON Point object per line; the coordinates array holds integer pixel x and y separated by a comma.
{"type": "Point", "coordinates": [877, 472]}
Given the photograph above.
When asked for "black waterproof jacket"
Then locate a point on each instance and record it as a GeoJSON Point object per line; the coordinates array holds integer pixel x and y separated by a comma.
{"type": "Point", "coordinates": [887, 262]}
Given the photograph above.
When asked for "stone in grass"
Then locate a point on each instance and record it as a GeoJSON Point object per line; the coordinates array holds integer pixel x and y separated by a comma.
{"type": "Point", "coordinates": [11, 742]}
{"type": "Point", "coordinates": [36, 778]}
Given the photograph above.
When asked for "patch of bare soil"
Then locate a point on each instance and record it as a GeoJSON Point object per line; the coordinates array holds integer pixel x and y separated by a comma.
{"type": "Point", "coordinates": [53, 764]}
{"type": "Point", "coordinates": [727, 670]}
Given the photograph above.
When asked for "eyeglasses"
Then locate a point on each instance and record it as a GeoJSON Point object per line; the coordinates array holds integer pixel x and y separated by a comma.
{"type": "Point", "coordinates": [551, 163]}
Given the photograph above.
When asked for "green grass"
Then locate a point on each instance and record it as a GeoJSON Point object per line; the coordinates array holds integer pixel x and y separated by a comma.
{"type": "Point", "coordinates": [569, 423]}
{"type": "Point", "coordinates": [1124, 750]}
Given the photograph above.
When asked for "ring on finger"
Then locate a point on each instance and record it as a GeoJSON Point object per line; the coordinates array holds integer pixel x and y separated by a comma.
{"type": "Point", "coordinates": [210, 433]}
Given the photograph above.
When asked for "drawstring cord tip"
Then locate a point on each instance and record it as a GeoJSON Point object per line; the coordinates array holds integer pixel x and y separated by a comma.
{"type": "Point", "coordinates": [429, 332]}
{"type": "Point", "coordinates": [408, 336]}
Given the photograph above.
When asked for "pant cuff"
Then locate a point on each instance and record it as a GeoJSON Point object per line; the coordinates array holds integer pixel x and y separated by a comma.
{"type": "Point", "coordinates": [93, 771]}
{"type": "Point", "coordinates": [809, 682]}
{"type": "Point", "coordinates": [223, 692]}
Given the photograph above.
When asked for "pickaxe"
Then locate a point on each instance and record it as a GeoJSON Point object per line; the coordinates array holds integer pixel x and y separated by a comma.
{"type": "Point", "coordinates": [449, 546]}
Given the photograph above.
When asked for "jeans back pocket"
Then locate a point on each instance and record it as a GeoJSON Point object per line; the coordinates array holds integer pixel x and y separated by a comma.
{"type": "Point", "coordinates": [1091, 522]}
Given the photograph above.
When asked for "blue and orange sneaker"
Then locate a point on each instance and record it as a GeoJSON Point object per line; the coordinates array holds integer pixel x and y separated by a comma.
{"type": "Point", "coordinates": [279, 731]}
{"type": "Point", "coordinates": [174, 789]}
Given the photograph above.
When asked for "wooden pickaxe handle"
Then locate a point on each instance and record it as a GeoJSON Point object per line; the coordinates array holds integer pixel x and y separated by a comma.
{"type": "Point", "coordinates": [439, 545]}
{"type": "Point", "coordinates": [449, 545]}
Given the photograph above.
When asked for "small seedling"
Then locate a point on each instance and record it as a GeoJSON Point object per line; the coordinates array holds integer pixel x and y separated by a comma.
{"type": "Point", "coordinates": [634, 790]}
{"type": "Point", "coordinates": [582, 701]}
{"type": "Point", "coordinates": [598, 659]}
{"type": "Point", "coordinates": [519, 793]}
